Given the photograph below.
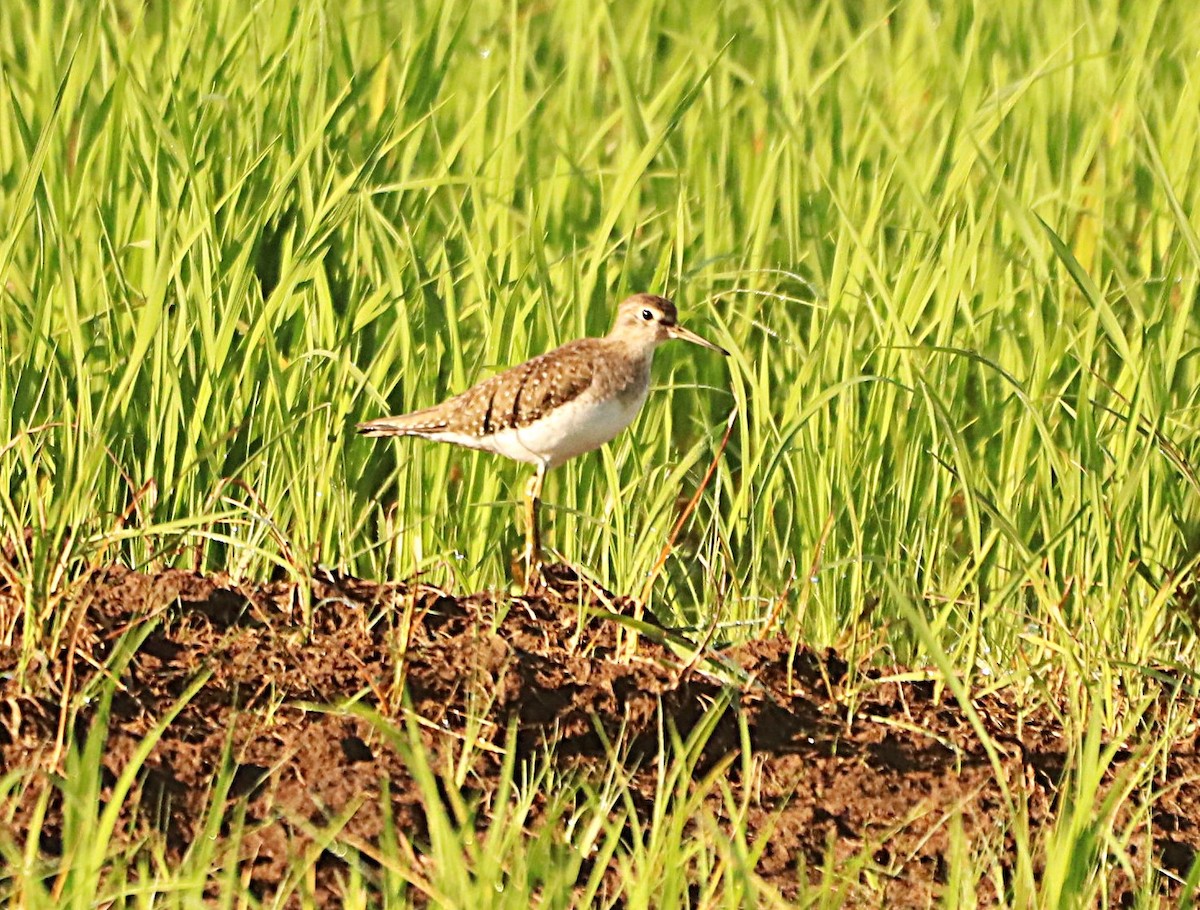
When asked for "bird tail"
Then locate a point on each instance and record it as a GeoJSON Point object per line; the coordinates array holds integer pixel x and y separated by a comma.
{"type": "Point", "coordinates": [414, 424]}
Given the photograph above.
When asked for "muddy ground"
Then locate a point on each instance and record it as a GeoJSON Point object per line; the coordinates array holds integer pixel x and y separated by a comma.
{"type": "Point", "coordinates": [878, 772]}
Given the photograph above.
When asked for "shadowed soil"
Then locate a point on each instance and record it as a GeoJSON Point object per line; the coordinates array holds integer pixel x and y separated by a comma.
{"type": "Point", "coordinates": [875, 769]}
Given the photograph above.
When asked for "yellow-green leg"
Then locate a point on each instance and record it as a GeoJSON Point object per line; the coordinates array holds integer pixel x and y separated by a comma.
{"type": "Point", "coordinates": [533, 533]}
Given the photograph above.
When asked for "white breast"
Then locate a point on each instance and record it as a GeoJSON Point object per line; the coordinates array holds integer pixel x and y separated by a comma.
{"type": "Point", "coordinates": [569, 430]}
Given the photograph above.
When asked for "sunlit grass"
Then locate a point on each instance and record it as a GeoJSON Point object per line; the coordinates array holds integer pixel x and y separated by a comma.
{"type": "Point", "coordinates": [952, 250]}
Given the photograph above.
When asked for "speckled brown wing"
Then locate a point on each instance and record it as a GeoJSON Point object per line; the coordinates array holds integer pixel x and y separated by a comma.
{"type": "Point", "coordinates": [514, 398]}
{"type": "Point", "coordinates": [522, 394]}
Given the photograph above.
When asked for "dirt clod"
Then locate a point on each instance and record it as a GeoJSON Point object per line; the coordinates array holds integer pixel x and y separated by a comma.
{"type": "Point", "coordinates": [278, 660]}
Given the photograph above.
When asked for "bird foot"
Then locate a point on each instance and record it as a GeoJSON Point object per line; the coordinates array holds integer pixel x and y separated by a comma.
{"type": "Point", "coordinates": [533, 576]}
{"type": "Point", "coordinates": [527, 572]}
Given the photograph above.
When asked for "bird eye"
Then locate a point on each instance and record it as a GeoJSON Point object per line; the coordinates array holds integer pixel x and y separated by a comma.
{"type": "Point", "coordinates": [647, 315]}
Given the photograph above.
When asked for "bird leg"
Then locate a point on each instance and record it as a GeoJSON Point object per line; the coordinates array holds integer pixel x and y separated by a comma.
{"type": "Point", "coordinates": [533, 533]}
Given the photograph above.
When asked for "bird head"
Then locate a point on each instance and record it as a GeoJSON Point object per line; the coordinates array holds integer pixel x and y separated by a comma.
{"type": "Point", "coordinates": [650, 320]}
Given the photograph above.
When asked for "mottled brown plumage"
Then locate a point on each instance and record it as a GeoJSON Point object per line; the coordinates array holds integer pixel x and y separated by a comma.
{"type": "Point", "coordinates": [512, 399]}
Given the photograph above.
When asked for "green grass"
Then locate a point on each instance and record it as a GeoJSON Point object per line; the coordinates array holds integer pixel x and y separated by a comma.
{"type": "Point", "coordinates": [951, 247]}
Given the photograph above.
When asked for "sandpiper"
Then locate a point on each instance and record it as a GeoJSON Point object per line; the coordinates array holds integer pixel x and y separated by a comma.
{"type": "Point", "coordinates": [556, 406]}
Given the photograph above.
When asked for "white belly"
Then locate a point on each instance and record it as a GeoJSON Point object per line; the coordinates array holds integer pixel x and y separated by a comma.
{"type": "Point", "coordinates": [569, 430]}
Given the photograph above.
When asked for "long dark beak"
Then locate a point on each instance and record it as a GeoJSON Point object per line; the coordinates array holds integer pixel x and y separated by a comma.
{"type": "Point", "coordinates": [678, 331]}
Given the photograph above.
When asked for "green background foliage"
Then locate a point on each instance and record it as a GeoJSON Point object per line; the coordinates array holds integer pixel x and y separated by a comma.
{"type": "Point", "coordinates": [950, 245]}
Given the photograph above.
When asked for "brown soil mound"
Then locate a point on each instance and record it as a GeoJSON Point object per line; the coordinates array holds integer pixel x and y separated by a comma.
{"type": "Point", "coordinates": [882, 778]}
